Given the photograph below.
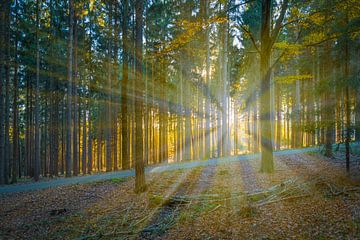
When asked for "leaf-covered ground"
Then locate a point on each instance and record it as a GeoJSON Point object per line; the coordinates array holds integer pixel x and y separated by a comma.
{"type": "Point", "coordinates": [308, 197]}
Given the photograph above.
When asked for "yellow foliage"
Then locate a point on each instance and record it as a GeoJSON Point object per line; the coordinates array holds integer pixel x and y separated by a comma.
{"type": "Point", "coordinates": [317, 18]}
{"type": "Point", "coordinates": [190, 29]}
{"type": "Point", "coordinates": [91, 4]}
{"type": "Point", "coordinates": [101, 21]}
{"type": "Point", "coordinates": [287, 45]}
{"type": "Point", "coordinates": [84, 13]}
{"type": "Point", "coordinates": [292, 78]}
{"type": "Point", "coordinates": [315, 37]}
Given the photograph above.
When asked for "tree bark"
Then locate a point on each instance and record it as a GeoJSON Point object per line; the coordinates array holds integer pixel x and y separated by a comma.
{"type": "Point", "coordinates": [108, 124]}
{"type": "Point", "coordinates": [16, 159]}
{"type": "Point", "coordinates": [37, 104]}
{"type": "Point", "coordinates": [124, 101]}
{"type": "Point", "coordinates": [267, 163]}
{"type": "Point", "coordinates": [69, 90]}
{"type": "Point", "coordinates": [140, 185]}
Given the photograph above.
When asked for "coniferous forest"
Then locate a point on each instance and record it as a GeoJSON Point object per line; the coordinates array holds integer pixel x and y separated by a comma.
{"type": "Point", "coordinates": [179, 119]}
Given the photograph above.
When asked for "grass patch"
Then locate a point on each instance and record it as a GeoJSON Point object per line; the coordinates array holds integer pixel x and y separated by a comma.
{"type": "Point", "coordinates": [118, 180]}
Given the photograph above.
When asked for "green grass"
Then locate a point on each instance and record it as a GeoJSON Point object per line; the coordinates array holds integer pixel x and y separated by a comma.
{"type": "Point", "coordinates": [118, 180]}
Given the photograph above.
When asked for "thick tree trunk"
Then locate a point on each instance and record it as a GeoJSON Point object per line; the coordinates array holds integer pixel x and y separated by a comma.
{"type": "Point", "coordinates": [140, 184]}
{"type": "Point", "coordinates": [267, 163]}
{"type": "Point", "coordinates": [225, 88]}
{"type": "Point", "coordinates": [4, 120]}
{"type": "Point", "coordinates": [124, 102]}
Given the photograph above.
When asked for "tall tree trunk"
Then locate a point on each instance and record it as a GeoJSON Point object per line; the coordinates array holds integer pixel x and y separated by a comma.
{"type": "Point", "coordinates": [347, 103]}
{"type": "Point", "coordinates": [2, 66]}
{"type": "Point", "coordinates": [75, 97]}
{"type": "Point", "coordinates": [124, 101]}
{"type": "Point", "coordinates": [54, 103]}
{"type": "Point", "coordinates": [115, 86]}
{"type": "Point", "coordinates": [108, 124]}
{"type": "Point", "coordinates": [4, 95]}
{"type": "Point", "coordinates": [37, 92]}
{"type": "Point", "coordinates": [7, 94]}
{"type": "Point", "coordinates": [328, 104]}
{"type": "Point", "coordinates": [69, 89]}
{"type": "Point", "coordinates": [16, 157]}
{"type": "Point", "coordinates": [267, 163]}
{"type": "Point", "coordinates": [225, 115]}
{"type": "Point", "coordinates": [207, 97]}
{"type": "Point", "coordinates": [140, 185]}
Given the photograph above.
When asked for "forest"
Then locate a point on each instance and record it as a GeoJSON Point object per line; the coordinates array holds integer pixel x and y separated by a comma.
{"type": "Point", "coordinates": [144, 119]}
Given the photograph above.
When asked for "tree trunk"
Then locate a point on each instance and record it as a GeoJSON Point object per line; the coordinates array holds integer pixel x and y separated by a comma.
{"type": "Point", "coordinates": [16, 158]}
{"type": "Point", "coordinates": [267, 163]}
{"type": "Point", "coordinates": [347, 104]}
{"type": "Point", "coordinates": [207, 97]}
{"type": "Point", "coordinates": [37, 92]}
{"type": "Point", "coordinates": [278, 125]}
{"type": "Point", "coordinates": [83, 157]}
{"type": "Point", "coordinates": [75, 98]}
{"type": "Point", "coordinates": [225, 88]}
{"type": "Point", "coordinates": [90, 149]}
{"type": "Point", "coordinates": [69, 90]}
{"type": "Point", "coordinates": [140, 185]}
{"type": "Point", "coordinates": [108, 92]}
{"type": "Point", "coordinates": [124, 102]}
{"type": "Point", "coordinates": [2, 117]}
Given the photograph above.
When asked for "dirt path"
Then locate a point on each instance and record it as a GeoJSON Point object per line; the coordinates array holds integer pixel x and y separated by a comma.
{"type": "Point", "coordinates": [170, 210]}
{"type": "Point", "coordinates": [248, 176]}
{"type": "Point", "coordinates": [30, 186]}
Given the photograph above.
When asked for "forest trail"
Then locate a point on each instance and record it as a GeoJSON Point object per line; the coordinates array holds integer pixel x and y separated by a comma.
{"type": "Point", "coordinates": [31, 186]}
{"type": "Point", "coordinates": [308, 196]}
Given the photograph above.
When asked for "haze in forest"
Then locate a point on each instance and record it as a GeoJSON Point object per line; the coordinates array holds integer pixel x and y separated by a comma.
{"type": "Point", "coordinates": [106, 85]}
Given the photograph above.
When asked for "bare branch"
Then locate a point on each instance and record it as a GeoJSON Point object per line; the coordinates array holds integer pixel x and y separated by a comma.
{"type": "Point", "coordinates": [251, 37]}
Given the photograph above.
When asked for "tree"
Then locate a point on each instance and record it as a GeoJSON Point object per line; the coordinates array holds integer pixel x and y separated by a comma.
{"type": "Point", "coordinates": [5, 7]}
{"type": "Point", "coordinates": [16, 157]}
{"type": "Point", "coordinates": [124, 84]}
{"type": "Point", "coordinates": [37, 100]}
{"type": "Point", "coordinates": [140, 184]}
{"type": "Point", "coordinates": [267, 40]}
{"type": "Point", "coordinates": [69, 89]}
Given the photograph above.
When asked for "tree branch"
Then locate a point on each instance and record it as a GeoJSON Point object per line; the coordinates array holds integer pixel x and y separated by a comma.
{"type": "Point", "coordinates": [251, 37]}
{"type": "Point", "coordinates": [278, 23]}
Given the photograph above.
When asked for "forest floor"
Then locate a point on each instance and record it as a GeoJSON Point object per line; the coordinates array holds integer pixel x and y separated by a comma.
{"type": "Point", "coordinates": [46, 182]}
{"type": "Point", "coordinates": [308, 197]}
